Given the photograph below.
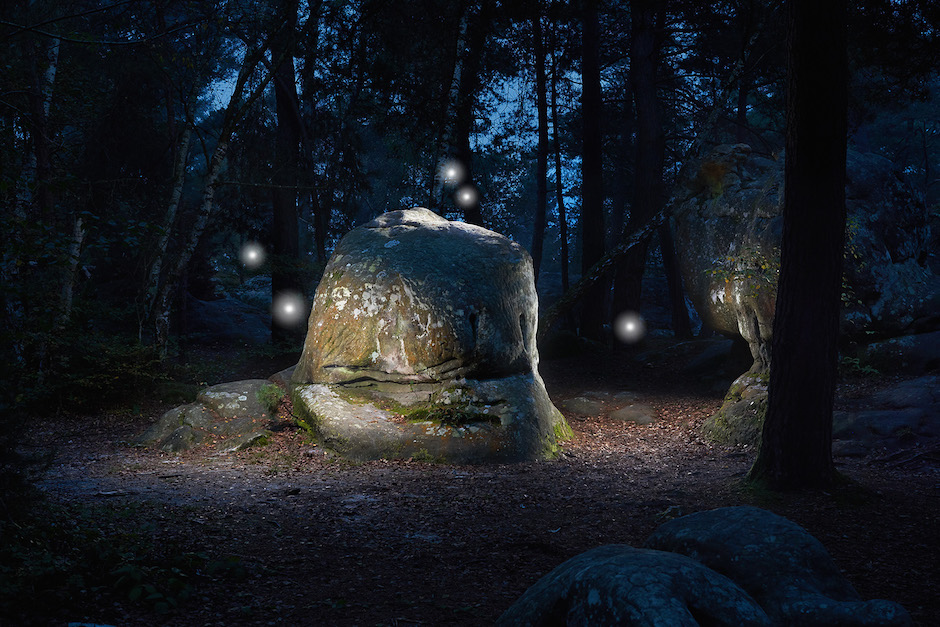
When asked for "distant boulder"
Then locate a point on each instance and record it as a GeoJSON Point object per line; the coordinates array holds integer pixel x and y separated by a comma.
{"type": "Point", "coordinates": [421, 341]}
{"type": "Point", "coordinates": [728, 234]}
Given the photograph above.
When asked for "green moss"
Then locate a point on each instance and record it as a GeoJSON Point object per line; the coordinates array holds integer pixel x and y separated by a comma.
{"type": "Point", "coordinates": [303, 417]}
{"type": "Point", "coordinates": [270, 396]}
{"type": "Point", "coordinates": [448, 415]}
{"type": "Point", "coordinates": [562, 430]}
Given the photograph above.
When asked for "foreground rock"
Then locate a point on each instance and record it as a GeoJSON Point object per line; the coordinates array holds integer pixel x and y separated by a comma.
{"type": "Point", "coordinates": [421, 342]}
{"type": "Point", "coordinates": [620, 585]}
{"type": "Point", "coordinates": [228, 417]}
{"type": "Point", "coordinates": [726, 567]}
{"type": "Point", "coordinates": [785, 569]}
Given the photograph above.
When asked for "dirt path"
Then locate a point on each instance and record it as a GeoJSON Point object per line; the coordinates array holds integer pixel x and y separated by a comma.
{"type": "Point", "coordinates": [316, 541]}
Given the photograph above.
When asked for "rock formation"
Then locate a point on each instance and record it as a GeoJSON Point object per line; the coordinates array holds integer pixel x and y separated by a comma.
{"type": "Point", "coordinates": [421, 342]}
{"type": "Point", "coordinates": [728, 234]}
{"type": "Point", "coordinates": [730, 566]}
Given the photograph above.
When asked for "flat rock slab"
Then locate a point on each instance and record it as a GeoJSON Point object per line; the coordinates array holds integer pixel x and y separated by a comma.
{"type": "Point", "coordinates": [464, 429]}
{"type": "Point", "coordinates": [227, 416]}
{"type": "Point", "coordinates": [639, 413]}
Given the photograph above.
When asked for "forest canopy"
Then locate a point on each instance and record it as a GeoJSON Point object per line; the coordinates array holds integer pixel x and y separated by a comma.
{"type": "Point", "coordinates": [144, 143]}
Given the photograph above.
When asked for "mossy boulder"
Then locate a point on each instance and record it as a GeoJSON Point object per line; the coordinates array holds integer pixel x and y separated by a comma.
{"type": "Point", "coordinates": [228, 416]}
{"type": "Point", "coordinates": [422, 340]}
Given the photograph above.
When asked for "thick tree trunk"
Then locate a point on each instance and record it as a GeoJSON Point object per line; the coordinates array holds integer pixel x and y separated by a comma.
{"type": "Point", "coordinates": [285, 237]}
{"type": "Point", "coordinates": [796, 443]}
{"type": "Point", "coordinates": [541, 167]}
{"type": "Point", "coordinates": [593, 312]}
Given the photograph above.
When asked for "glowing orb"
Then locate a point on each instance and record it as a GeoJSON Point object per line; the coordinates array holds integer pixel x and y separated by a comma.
{"type": "Point", "coordinates": [288, 308]}
{"type": "Point", "coordinates": [466, 196]}
{"type": "Point", "coordinates": [452, 172]}
{"type": "Point", "coordinates": [252, 255]}
{"type": "Point", "coordinates": [629, 327]}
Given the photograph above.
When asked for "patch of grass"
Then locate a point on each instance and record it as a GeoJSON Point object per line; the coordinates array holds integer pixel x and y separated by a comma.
{"type": "Point", "coordinates": [270, 396]}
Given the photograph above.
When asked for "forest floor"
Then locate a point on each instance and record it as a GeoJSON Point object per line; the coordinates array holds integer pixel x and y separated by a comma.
{"type": "Point", "coordinates": [286, 535]}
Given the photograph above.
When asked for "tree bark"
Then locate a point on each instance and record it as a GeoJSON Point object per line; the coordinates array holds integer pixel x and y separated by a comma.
{"type": "Point", "coordinates": [234, 111]}
{"type": "Point", "coordinates": [593, 312]}
{"type": "Point", "coordinates": [796, 442]}
{"type": "Point", "coordinates": [648, 188]}
{"type": "Point", "coordinates": [559, 183]}
{"type": "Point", "coordinates": [285, 239]}
{"type": "Point", "coordinates": [541, 167]}
{"type": "Point", "coordinates": [681, 325]}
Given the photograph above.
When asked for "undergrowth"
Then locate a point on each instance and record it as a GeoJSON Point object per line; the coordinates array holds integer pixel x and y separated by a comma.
{"type": "Point", "coordinates": [66, 558]}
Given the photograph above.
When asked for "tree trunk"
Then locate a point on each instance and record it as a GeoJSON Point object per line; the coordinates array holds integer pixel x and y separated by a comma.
{"type": "Point", "coordinates": [648, 186]}
{"type": "Point", "coordinates": [285, 239]}
{"type": "Point", "coordinates": [469, 85]}
{"type": "Point", "coordinates": [541, 168]}
{"type": "Point", "coordinates": [681, 326]}
{"type": "Point", "coordinates": [234, 111]}
{"type": "Point", "coordinates": [176, 194]}
{"type": "Point", "coordinates": [796, 442]}
{"type": "Point", "coordinates": [559, 183]}
{"type": "Point", "coordinates": [593, 312]}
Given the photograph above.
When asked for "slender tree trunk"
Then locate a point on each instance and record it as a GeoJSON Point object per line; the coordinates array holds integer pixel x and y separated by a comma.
{"type": "Point", "coordinates": [559, 183]}
{"type": "Point", "coordinates": [234, 111]}
{"type": "Point", "coordinates": [681, 326]}
{"type": "Point", "coordinates": [469, 85]}
{"type": "Point", "coordinates": [742, 133]}
{"type": "Point", "coordinates": [648, 188]}
{"type": "Point", "coordinates": [285, 234]}
{"type": "Point", "coordinates": [593, 312]}
{"type": "Point", "coordinates": [796, 442]}
{"type": "Point", "coordinates": [176, 194]}
{"type": "Point", "coordinates": [448, 108]}
{"type": "Point", "coordinates": [541, 168]}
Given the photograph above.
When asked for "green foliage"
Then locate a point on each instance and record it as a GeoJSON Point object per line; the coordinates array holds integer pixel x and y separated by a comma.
{"type": "Point", "coordinates": [855, 366]}
{"type": "Point", "coordinates": [752, 267]}
{"type": "Point", "coordinates": [54, 556]}
{"type": "Point", "coordinates": [270, 396]}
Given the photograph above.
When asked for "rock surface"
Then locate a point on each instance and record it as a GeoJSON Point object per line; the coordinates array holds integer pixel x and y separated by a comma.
{"type": "Point", "coordinates": [785, 569]}
{"type": "Point", "coordinates": [422, 341]}
{"type": "Point", "coordinates": [228, 416]}
{"type": "Point", "coordinates": [729, 229]}
{"type": "Point", "coordinates": [728, 233]}
{"type": "Point", "coordinates": [620, 585]}
{"type": "Point", "coordinates": [906, 414]}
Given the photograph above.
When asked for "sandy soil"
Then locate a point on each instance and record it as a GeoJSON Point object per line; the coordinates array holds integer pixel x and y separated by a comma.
{"type": "Point", "coordinates": [320, 541]}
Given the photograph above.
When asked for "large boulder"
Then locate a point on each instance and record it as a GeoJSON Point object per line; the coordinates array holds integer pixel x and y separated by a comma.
{"type": "Point", "coordinates": [421, 341]}
{"type": "Point", "coordinates": [620, 585]}
{"type": "Point", "coordinates": [728, 233]}
{"type": "Point", "coordinates": [781, 566]}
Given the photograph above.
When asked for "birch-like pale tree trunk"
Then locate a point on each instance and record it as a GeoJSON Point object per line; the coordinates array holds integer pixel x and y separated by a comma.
{"type": "Point", "coordinates": [234, 112]}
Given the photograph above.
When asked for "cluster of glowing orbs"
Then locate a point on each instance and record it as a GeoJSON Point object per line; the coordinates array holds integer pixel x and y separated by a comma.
{"type": "Point", "coordinates": [288, 308]}
{"type": "Point", "coordinates": [629, 327]}
{"type": "Point", "coordinates": [252, 255]}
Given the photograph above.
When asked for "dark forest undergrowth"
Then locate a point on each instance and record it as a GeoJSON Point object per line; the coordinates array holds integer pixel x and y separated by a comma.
{"type": "Point", "coordinates": [285, 534]}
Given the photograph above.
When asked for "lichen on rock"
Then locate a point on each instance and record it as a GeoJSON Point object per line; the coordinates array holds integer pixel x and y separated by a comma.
{"type": "Point", "coordinates": [417, 315]}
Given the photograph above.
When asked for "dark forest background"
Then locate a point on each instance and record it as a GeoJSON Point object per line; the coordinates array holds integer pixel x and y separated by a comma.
{"type": "Point", "coordinates": [143, 144]}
